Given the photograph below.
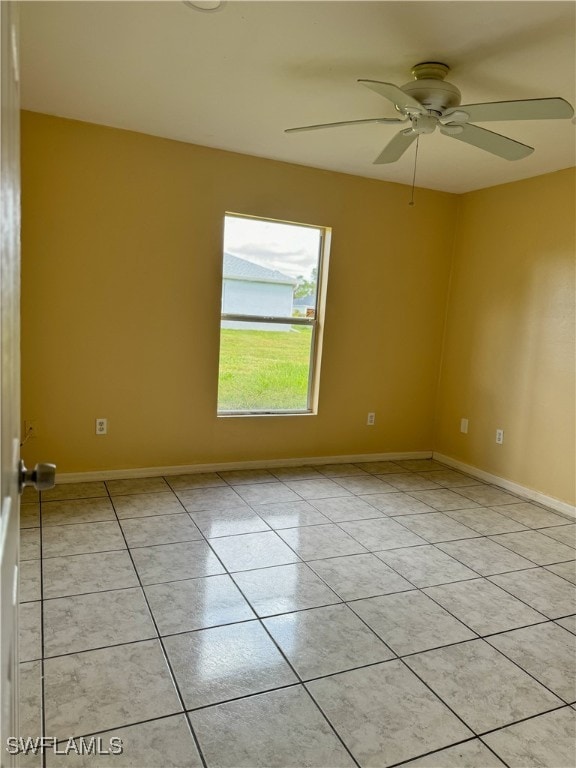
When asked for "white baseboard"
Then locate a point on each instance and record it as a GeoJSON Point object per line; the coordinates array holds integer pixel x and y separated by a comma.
{"type": "Point", "coordinates": [125, 474]}
{"type": "Point", "coordinates": [508, 485]}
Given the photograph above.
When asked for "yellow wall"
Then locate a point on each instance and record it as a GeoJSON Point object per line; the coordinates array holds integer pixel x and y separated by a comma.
{"type": "Point", "coordinates": [509, 347]}
{"type": "Point", "coordinates": [122, 249]}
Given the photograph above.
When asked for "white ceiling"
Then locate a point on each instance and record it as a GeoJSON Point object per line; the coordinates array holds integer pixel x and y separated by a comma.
{"type": "Point", "coordinates": [236, 78]}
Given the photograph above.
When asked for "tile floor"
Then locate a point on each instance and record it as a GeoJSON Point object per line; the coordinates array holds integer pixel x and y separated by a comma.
{"type": "Point", "coordinates": [373, 615]}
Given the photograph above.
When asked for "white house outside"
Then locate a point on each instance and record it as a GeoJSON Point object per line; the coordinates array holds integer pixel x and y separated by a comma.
{"type": "Point", "coordinates": [250, 289]}
{"type": "Point", "coordinates": [305, 306]}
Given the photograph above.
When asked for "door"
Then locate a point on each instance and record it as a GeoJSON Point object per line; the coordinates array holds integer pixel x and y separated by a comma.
{"type": "Point", "coordinates": [9, 373]}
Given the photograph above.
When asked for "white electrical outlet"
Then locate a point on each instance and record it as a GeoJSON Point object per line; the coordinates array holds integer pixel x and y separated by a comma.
{"type": "Point", "coordinates": [464, 426]}
{"type": "Point", "coordinates": [101, 426]}
{"type": "Point", "coordinates": [371, 420]}
{"type": "Point", "coordinates": [499, 436]}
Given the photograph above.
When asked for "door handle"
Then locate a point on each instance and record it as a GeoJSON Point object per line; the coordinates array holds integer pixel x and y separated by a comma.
{"type": "Point", "coordinates": [42, 477]}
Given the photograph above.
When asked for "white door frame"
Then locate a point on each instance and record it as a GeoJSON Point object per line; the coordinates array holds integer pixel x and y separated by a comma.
{"type": "Point", "coordinates": [9, 373]}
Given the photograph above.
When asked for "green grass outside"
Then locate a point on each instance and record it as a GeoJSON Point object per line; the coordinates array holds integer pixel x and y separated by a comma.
{"type": "Point", "coordinates": [264, 370]}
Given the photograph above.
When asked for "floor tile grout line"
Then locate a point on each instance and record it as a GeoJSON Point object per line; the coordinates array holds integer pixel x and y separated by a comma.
{"type": "Point", "coordinates": [481, 636]}
{"type": "Point", "coordinates": [527, 672]}
{"type": "Point", "coordinates": [331, 725]}
{"type": "Point", "coordinates": [478, 636]}
{"type": "Point", "coordinates": [554, 528]}
{"type": "Point", "coordinates": [527, 568]}
{"type": "Point", "coordinates": [544, 620]}
{"type": "Point", "coordinates": [425, 542]}
{"type": "Point", "coordinates": [544, 528]}
{"type": "Point", "coordinates": [126, 725]}
{"type": "Point", "coordinates": [474, 535]}
{"type": "Point", "coordinates": [65, 499]}
{"type": "Point", "coordinates": [559, 619]}
{"type": "Point", "coordinates": [479, 575]}
{"type": "Point", "coordinates": [554, 512]}
{"type": "Point", "coordinates": [83, 522]}
{"type": "Point", "coordinates": [450, 513]}
{"type": "Point", "coordinates": [389, 517]}
{"type": "Point", "coordinates": [547, 568]}
{"type": "Point", "coordinates": [437, 695]}
{"type": "Point", "coordinates": [541, 567]}
{"type": "Point", "coordinates": [164, 652]}
{"type": "Point", "coordinates": [93, 592]}
{"type": "Point", "coordinates": [522, 720]}
{"type": "Point", "coordinates": [214, 704]}
{"type": "Point", "coordinates": [315, 558]}
{"type": "Point", "coordinates": [92, 552]}
{"type": "Point", "coordinates": [163, 543]}
{"type": "Point", "coordinates": [502, 760]}
{"type": "Point", "coordinates": [441, 749]}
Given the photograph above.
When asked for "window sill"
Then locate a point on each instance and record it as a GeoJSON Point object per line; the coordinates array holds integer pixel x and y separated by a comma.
{"type": "Point", "coordinates": [261, 414]}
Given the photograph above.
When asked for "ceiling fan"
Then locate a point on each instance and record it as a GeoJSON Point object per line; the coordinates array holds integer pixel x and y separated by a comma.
{"type": "Point", "coordinates": [429, 102]}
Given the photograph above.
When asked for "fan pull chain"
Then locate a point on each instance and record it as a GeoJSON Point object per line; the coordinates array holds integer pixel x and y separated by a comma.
{"type": "Point", "coordinates": [411, 203]}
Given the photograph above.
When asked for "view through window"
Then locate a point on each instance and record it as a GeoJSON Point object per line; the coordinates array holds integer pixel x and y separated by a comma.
{"type": "Point", "coordinates": [270, 313]}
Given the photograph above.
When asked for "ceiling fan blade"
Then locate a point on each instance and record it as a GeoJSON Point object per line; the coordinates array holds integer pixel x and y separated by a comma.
{"type": "Point", "coordinates": [345, 122]}
{"type": "Point", "coordinates": [524, 109]}
{"type": "Point", "coordinates": [395, 149]}
{"type": "Point", "coordinates": [396, 95]}
{"type": "Point", "coordinates": [490, 142]}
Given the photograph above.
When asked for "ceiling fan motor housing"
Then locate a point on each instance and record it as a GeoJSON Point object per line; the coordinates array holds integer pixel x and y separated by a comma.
{"type": "Point", "coordinates": [429, 88]}
{"type": "Point", "coordinates": [435, 95]}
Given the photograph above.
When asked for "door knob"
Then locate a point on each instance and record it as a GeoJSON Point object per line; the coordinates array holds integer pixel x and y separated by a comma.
{"type": "Point", "coordinates": [42, 477]}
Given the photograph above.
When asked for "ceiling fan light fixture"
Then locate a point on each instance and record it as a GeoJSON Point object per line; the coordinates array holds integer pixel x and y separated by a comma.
{"type": "Point", "coordinates": [424, 123]}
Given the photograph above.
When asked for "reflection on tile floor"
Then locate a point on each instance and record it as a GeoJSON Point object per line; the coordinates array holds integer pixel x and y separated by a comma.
{"type": "Point", "coordinates": [371, 615]}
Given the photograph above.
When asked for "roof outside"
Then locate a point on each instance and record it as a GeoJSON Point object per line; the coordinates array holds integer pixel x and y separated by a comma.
{"type": "Point", "coordinates": [236, 268]}
{"type": "Point", "coordinates": [305, 301]}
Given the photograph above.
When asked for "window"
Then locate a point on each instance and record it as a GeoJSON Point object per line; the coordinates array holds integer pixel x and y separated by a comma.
{"type": "Point", "coordinates": [273, 279]}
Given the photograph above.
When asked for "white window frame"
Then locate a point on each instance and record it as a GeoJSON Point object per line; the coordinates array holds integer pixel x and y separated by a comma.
{"type": "Point", "coordinates": [316, 323]}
